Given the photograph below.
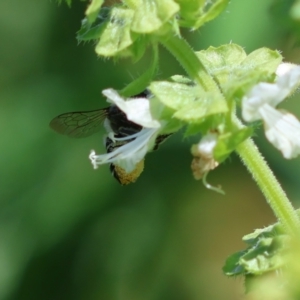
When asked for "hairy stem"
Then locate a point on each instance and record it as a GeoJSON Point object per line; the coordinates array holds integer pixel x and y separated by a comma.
{"type": "Point", "coordinates": [182, 51]}
{"type": "Point", "coordinates": [270, 187]}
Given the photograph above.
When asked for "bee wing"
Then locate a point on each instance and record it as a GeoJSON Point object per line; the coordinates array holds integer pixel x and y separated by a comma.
{"type": "Point", "coordinates": [79, 124]}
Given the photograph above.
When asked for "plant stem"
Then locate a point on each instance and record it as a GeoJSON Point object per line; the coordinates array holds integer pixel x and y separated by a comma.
{"type": "Point", "coordinates": [270, 187]}
{"type": "Point", "coordinates": [182, 51]}
{"type": "Point", "coordinates": [247, 150]}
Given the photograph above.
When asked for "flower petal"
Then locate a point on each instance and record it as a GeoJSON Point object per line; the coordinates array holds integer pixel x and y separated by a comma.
{"type": "Point", "coordinates": [137, 110]}
{"type": "Point", "coordinates": [282, 130]}
{"type": "Point", "coordinates": [288, 78]}
{"type": "Point", "coordinates": [203, 160]}
{"type": "Point", "coordinates": [259, 95]}
{"type": "Point", "coordinates": [206, 146]}
{"type": "Point", "coordinates": [131, 153]}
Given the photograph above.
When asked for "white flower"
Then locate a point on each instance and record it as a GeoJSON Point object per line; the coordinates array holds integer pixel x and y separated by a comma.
{"type": "Point", "coordinates": [281, 128]}
{"type": "Point", "coordinates": [131, 153]}
{"type": "Point", "coordinates": [137, 110]}
{"type": "Point", "coordinates": [129, 150]}
{"type": "Point", "coordinates": [203, 154]}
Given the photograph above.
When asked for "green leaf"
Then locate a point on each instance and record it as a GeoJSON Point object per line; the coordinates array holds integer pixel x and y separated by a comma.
{"type": "Point", "coordinates": [205, 105]}
{"type": "Point", "coordinates": [229, 141]}
{"type": "Point", "coordinates": [194, 13]}
{"type": "Point", "coordinates": [232, 266]}
{"type": "Point", "coordinates": [190, 11]}
{"type": "Point", "coordinates": [258, 66]}
{"type": "Point", "coordinates": [150, 15]}
{"type": "Point", "coordinates": [177, 92]}
{"type": "Point", "coordinates": [164, 115]}
{"type": "Point", "coordinates": [265, 257]}
{"type": "Point", "coordinates": [116, 35]}
{"type": "Point", "coordinates": [264, 254]}
{"type": "Point", "coordinates": [171, 126]}
{"type": "Point", "coordinates": [159, 111]}
{"type": "Point", "coordinates": [263, 59]}
{"type": "Point", "coordinates": [212, 10]}
{"type": "Point", "coordinates": [93, 31]}
{"type": "Point", "coordinates": [137, 49]}
{"type": "Point", "coordinates": [189, 102]}
{"type": "Point", "coordinates": [93, 10]}
{"type": "Point", "coordinates": [269, 231]}
{"type": "Point", "coordinates": [236, 72]}
{"type": "Point", "coordinates": [221, 62]}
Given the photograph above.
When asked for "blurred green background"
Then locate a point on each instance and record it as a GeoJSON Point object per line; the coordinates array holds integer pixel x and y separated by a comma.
{"type": "Point", "coordinates": [70, 232]}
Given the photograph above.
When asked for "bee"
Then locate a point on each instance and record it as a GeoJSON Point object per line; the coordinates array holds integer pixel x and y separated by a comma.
{"type": "Point", "coordinates": [80, 124]}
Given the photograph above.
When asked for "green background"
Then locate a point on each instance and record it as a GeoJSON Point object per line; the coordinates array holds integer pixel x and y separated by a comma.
{"type": "Point", "coordinates": [70, 232]}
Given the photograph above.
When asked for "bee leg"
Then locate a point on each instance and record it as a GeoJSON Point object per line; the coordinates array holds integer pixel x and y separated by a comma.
{"type": "Point", "coordinates": [160, 139]}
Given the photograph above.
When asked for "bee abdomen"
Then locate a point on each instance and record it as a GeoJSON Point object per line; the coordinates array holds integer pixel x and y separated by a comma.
{"type": "Point", "coordinates": [125, 178]}
{"type": "Point", "coordinates": [119, 173]}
